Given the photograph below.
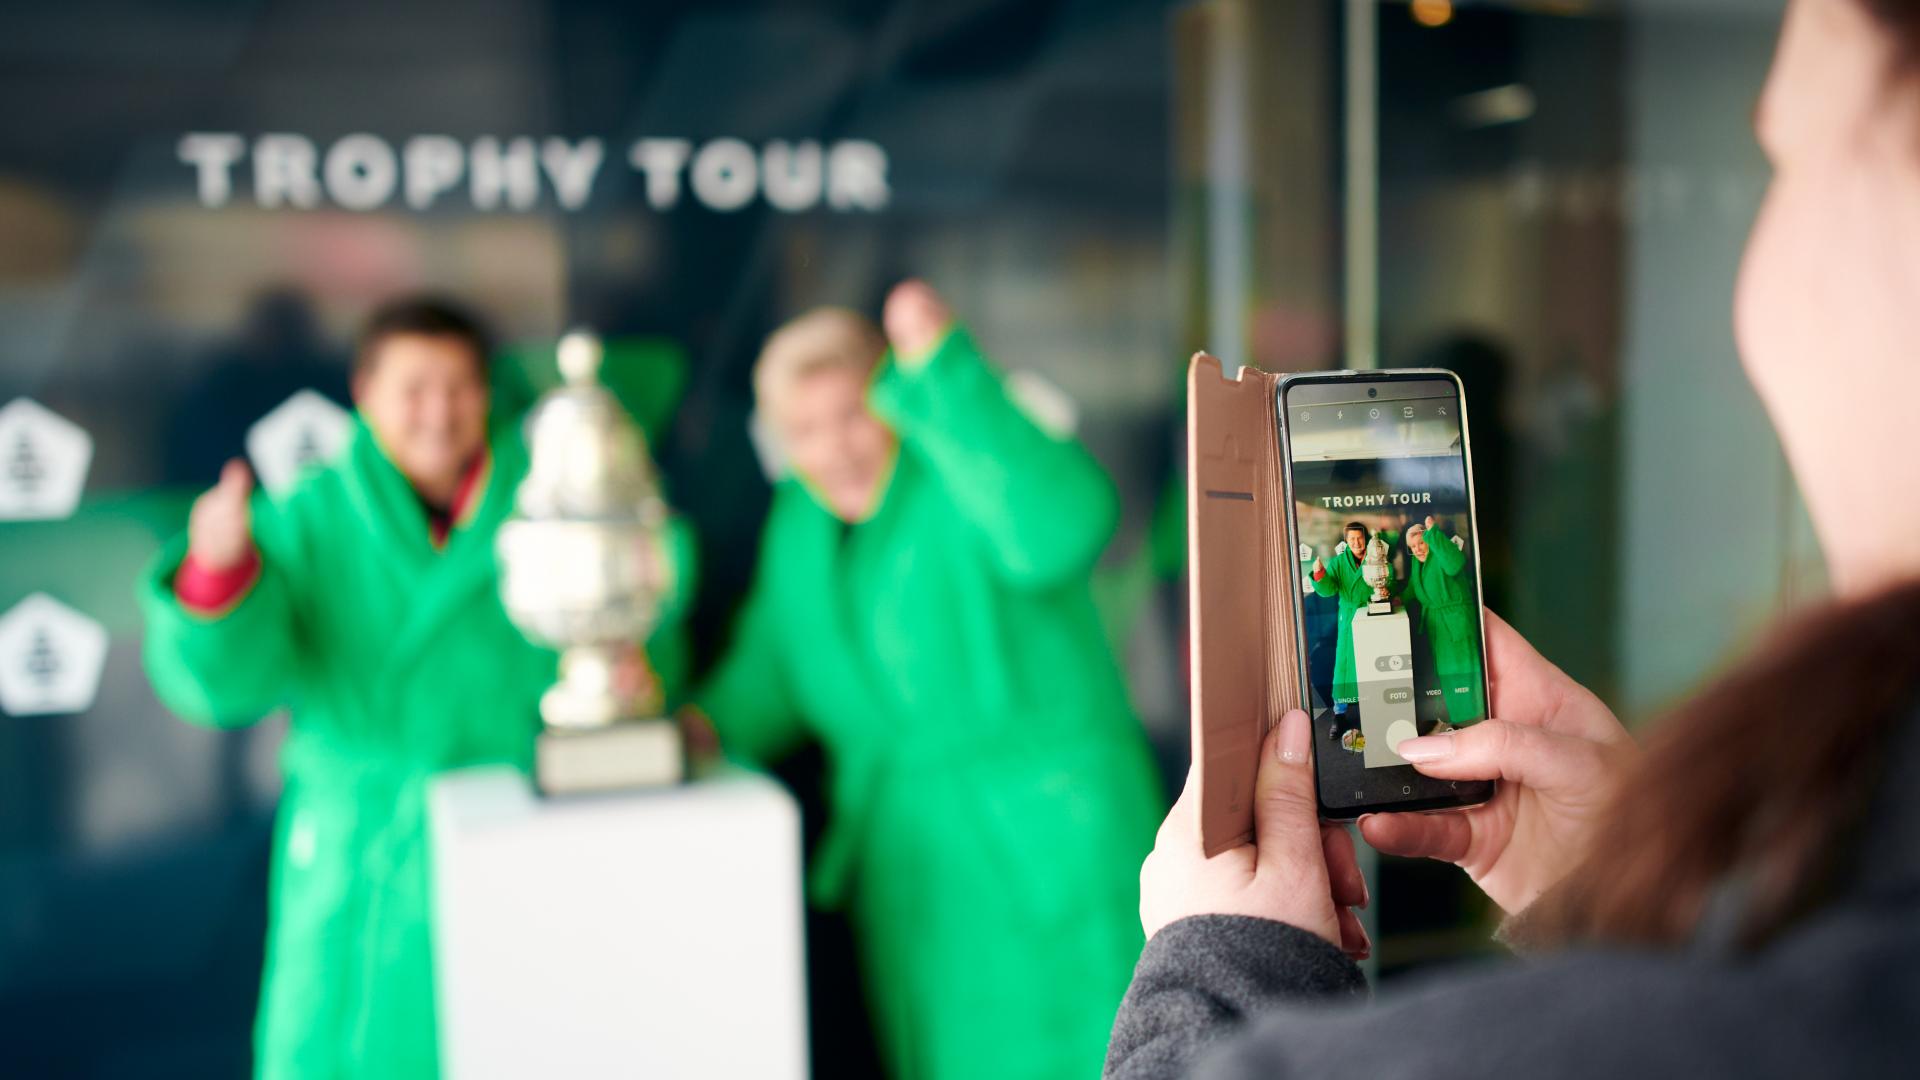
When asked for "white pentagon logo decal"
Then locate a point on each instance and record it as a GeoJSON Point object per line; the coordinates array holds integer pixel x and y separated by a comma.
{"type": "Point", "coordinates": [306, 429]}
{"type": "Point", "coordinates": [43, 462]}
{"type": "Point", "coordinates": [50, 658]}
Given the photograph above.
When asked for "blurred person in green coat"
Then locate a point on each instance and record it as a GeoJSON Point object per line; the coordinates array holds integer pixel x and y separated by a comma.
{"type": "Point", "coordinates": [367, 602]}
{"type": "Point", "coordinates": [922, 608]}
{"type": "Point", "coordinates": [1449, 617]}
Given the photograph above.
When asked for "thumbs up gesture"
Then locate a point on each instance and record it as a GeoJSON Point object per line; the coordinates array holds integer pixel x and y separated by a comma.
{"type": "Point", "coordinates": [915, 319]}
{"type": "Point", "coordinates": [218, 534]}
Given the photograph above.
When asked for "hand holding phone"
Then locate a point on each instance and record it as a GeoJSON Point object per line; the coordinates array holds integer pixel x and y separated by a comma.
{"type": "Point", "coordinates": [1561, 756]}
{"type": "Point", "coordinates": [1294, 870]}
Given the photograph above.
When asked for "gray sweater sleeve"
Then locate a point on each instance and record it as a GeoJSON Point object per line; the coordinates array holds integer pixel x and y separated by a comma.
{"type": "Point", "coordinates": [1200, 978]}
{"type": "Point", "coordinates": [1218, 998]}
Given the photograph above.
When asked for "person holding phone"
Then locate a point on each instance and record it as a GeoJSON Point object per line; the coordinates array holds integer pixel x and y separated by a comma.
{"type": "Point", "coordinates": [923, 610]}
{"type": "Point", "coordinates": [1742, 899]}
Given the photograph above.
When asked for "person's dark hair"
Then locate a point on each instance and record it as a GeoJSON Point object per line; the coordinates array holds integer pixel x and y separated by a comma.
{"type": "Point", "coordinates": [431, 316]}
{"type": "Point", "coordinates": [1355, 526]}
{"type": "Point", "coordinates": [1901, 18]}
{"type": "Point", "coordinates": [1762, 782]}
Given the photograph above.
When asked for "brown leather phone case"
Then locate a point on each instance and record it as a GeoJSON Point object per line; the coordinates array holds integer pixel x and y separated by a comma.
{"type": "Point", "coordinates": [1240, 582]}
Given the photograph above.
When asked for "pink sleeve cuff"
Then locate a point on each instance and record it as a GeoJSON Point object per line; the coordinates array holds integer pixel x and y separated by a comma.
{"type": "Point", "coordinates": [208, 591]}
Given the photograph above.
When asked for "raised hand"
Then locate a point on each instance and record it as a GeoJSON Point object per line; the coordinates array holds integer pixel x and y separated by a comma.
{"type": "Point", "coordinates": [915, 319]}
{"type": "Point", "coordinates": [218, 529]}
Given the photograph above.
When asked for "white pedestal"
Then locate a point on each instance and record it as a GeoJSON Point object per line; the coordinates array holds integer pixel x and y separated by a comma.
{"type": "Point", "coordinates": [1383, 670]}
{"type": "Point", "coordinates": [657, 933]}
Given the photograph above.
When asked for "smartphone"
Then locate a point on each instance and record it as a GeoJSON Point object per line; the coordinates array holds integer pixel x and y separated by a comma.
{"type": "Point", "coordinates": [1378, 478]}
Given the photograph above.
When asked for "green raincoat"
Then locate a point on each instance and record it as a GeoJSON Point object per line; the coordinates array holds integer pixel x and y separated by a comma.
{"type": "Point", "coordinates": [1451, 621]}
{"type": "Point", "coordinates": [991, 795]}
{"type": "Point", "coordinates": [397, 661]}
{"type": "Point", "coordinates": [1344, 580]}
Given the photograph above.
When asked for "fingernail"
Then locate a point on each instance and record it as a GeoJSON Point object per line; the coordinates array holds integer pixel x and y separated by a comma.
{"type": "Point", "coordinates": [1427, 747]}
{"type": "Point", "coordinates": [1296, 737]}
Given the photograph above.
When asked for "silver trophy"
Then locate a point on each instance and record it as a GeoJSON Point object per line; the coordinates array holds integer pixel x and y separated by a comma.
{"type": "Point", "coordinates": [584, 564]}
{"type": "Point", "coordinates": [1375, 571]}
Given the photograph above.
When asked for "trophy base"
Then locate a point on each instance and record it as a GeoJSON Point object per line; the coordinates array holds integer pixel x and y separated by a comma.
{"type": "Point", "coordinates": [1380, 607]}
{"type": "Point", "coordinates": [620, 756]}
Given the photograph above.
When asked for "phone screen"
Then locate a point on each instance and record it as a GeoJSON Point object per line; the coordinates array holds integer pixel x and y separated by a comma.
{"type": "Point", "coordinates": [1389, 587]}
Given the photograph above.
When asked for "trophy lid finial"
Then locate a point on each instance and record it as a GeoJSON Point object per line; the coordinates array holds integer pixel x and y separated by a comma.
{"type": "Point", "coordinates": [580, 357]}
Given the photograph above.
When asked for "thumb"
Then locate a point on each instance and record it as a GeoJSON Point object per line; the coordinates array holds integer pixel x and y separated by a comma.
{"type": "Point", "coordinates": [236, 480]}
{"type": "Point", "coordinates": [1286, 824]}
{"type": "Point", "coordinates": [1502, 750]}
{"type": "Point", "coordinates": [914, 317]}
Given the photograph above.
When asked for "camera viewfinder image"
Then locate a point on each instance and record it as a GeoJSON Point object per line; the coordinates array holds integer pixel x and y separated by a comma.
{"type": "Point", "coordinates": [1390, 594]}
